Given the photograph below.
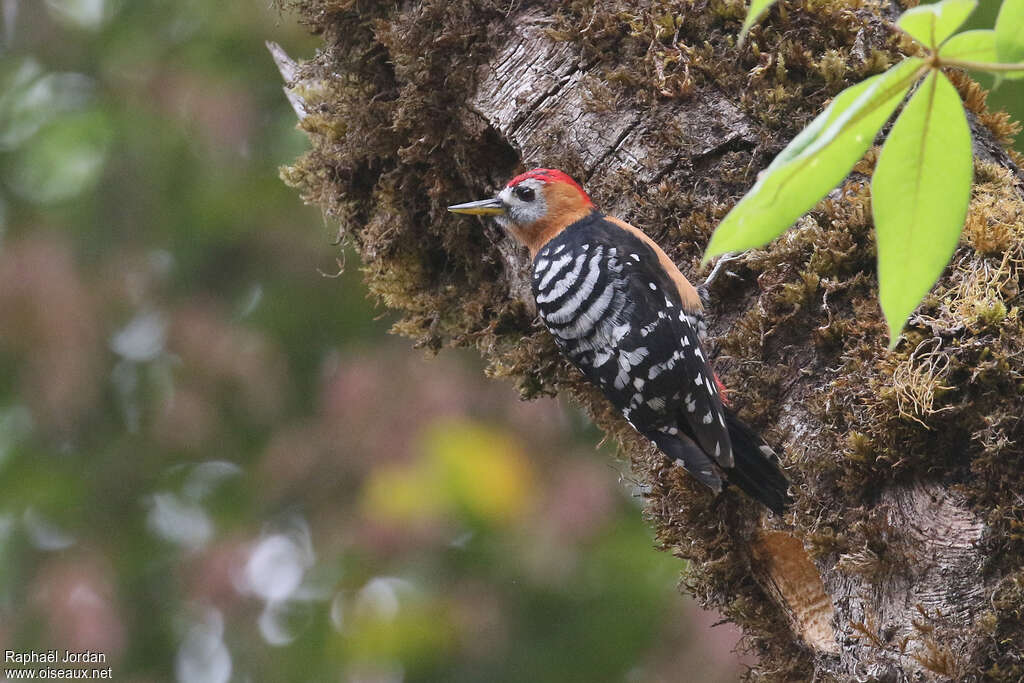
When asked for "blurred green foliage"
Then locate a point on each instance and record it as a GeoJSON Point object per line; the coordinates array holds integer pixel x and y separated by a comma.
{"type": "Point", "coordinates": [213, 465]}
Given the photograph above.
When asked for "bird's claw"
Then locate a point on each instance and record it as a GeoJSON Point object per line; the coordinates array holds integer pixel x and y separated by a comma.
{"type": "Point", "coordinates": [703, 289]}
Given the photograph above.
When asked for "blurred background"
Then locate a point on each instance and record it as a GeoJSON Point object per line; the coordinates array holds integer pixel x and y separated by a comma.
{"type": "Point", "coordinates": [214, 463]}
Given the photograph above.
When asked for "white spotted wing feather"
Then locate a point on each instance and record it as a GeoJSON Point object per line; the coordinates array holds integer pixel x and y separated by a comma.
{"type": "Point", "coordinates": [620, 319]}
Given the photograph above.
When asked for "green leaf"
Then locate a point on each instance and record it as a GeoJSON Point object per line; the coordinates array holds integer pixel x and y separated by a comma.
{"type": "Point", "coordinates": [814, 162]}
{"type": "Point", "coordinates": [919, 197]}
{"type": "Point", "coordinates": [63, 160]}
{"type": "Point", "coordinates": [31, 98]}
{"type": "Point", "coordinates": [754, 14]}
{"type": "Point", "coordinates": [932, 24]}
{"type": "Point", "coordinates": [971, 46]}
{"type": "Point", "coordinates": [1010, 36]}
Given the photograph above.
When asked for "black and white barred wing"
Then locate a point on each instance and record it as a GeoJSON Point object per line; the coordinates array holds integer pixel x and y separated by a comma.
{"type": "Point", "coordinates": [620, 320]}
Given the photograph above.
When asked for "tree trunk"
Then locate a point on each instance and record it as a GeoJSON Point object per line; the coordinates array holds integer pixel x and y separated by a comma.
{"type": "Point", "coordinates": [901, 558]}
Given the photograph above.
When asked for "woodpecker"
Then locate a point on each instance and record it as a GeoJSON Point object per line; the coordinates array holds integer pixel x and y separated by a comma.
{"type": "Point", "coordinates": [621, 312]}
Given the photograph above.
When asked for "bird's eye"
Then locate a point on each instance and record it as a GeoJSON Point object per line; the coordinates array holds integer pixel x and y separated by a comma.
{"type": "Point", "coordinates": [525, 193]}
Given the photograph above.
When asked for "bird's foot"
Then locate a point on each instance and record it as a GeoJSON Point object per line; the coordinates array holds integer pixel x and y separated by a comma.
{"type": "Point", "coordinates": [704, 288]}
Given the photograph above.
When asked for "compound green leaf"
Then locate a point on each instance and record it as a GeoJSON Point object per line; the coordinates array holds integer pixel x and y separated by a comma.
{"type": "Point", "coordinates": [932, 24]}
{"type": "Point", "coordinates": [971, 46]}
{"type": "Point", "coordinates": [1010, 36]}
{"type": "Point", "coordinates": [754, 14]}
{"type": "Point", "coordinates": [919, 197]}
{"type": "Point", "coordinates": [814, 162]}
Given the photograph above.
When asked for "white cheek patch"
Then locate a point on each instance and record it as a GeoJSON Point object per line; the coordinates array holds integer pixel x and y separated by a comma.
{"type": "Point", "coordinates": [525, 213]}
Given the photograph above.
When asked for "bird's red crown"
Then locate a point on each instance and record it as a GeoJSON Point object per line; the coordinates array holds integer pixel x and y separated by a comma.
{"type": "Point", "coordinates": [551, 175]}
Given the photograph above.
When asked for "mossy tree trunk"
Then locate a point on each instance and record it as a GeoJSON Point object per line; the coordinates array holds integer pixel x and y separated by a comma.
{"type": "Point", "coordinates": [901, 558]}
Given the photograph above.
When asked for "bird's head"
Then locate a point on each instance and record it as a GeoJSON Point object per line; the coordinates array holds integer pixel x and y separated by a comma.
{"type": "Point", "coordinates": [534, 206]}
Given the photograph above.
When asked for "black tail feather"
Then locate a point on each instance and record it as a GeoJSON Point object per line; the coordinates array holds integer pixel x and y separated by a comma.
{"type": "Point", "coordinates": [756, 470]}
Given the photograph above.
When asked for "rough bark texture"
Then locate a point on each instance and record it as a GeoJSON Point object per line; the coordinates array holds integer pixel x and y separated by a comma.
{"type": "Point", "coordinates": [902, 556]}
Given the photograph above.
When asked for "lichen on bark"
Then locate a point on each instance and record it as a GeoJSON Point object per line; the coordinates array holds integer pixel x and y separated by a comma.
{"type": "Point", "coordinates": [906, 465]}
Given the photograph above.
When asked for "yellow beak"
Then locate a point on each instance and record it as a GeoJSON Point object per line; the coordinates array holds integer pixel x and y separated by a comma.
{"type": "Point", "coordinates": [484, 207]}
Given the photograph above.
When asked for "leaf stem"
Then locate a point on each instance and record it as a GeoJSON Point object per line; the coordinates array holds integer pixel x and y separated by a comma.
{"type": "Point", "coordinates": [980, 66]}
